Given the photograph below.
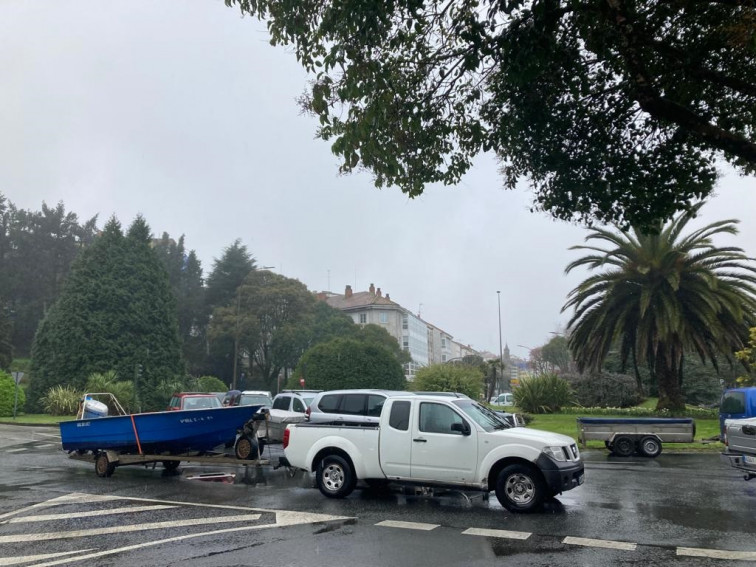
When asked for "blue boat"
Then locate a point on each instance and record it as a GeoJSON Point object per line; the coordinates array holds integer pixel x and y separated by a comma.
{"type": "Point", "coordinates": [171, 432]}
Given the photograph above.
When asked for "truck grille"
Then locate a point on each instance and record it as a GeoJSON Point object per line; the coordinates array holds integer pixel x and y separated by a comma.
{"type": "Point", "coordinates": [571, 453]}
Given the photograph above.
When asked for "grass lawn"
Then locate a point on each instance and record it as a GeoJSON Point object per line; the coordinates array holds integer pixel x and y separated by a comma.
{"type": "Point", "coordinates": [36, 419]}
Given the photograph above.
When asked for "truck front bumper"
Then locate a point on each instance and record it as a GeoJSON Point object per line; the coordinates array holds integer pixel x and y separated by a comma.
{"type": "Point", "coordinates": [746, 463]}
{"type": "Point", "coordinates": [561, 476]}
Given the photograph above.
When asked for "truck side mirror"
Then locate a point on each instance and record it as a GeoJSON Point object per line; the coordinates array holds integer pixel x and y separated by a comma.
{"type": "Point", "coordinates": [462, 428]}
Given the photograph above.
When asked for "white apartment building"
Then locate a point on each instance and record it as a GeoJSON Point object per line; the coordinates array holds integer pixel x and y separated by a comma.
{"type": "Point", "coordinates": [426, 343]}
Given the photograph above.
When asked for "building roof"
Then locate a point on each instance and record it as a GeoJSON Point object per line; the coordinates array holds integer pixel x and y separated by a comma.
{"type": "Point", "coordinates": [360, 299]}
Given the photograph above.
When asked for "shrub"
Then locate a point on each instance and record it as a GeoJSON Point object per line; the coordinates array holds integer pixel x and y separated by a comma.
{"type": "Point", "coordinates": [467, 380]}
{"type": "Point", "coordinates": [207, 384]}
{"type": "Point", "coordinates": [8, 395]}
{"type": "Point", "coordinates": [122, 390]}
{"type": "Point", "coordinates": [547, 393]}
{"type": "Point", "coordinates": [604, 390]}
{"type": "Point", "coordinates": [61, 400]}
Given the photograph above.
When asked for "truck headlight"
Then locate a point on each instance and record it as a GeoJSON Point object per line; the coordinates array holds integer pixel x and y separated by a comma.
{"type": "Point", "coordinates": [555, 453]}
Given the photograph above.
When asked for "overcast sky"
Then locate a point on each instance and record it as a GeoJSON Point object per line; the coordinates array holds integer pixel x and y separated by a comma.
{"type": "Point", "coordinates": [181, 110]}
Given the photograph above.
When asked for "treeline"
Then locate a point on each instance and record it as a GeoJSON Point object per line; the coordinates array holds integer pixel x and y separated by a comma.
{"type": "Point", "coordinates": [83, 301]}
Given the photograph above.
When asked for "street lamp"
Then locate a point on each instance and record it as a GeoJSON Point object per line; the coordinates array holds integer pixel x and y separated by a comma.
{"type": "Point", "coordinates": [501, 352]}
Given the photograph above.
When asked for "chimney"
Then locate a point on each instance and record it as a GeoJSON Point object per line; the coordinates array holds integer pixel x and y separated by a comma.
{"type": "Point", "coordinates": [348, 292]}
{"type": "Point", "coordinates": [321, 296]}
{"type": "Point", "coordinates": [378, 292]}
{"type": "Point", "coordinates": [388, 297]}
{"type": "Point", "coordinates": [372, 289]}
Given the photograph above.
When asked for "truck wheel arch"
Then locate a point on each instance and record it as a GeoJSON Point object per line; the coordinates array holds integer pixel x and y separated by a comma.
{"type": "Point", "coordinates": [327, 451]}
{"type": "Point", "coordinates": [493, 474]}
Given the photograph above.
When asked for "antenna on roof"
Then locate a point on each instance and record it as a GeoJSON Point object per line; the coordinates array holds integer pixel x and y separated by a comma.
{"type": "Point", "coordinates": [420, 310]}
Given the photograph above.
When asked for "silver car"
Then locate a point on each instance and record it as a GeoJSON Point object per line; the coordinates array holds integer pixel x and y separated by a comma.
{"type": "Point", "coordinates": [349, 407]}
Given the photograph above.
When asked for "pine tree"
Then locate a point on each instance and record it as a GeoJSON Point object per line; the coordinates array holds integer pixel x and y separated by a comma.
{"type": "Point", "coordinates": [116, 312]}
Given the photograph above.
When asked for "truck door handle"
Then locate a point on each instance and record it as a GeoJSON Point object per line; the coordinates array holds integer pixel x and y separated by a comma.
{"type": "Point", "coordinates": [420, 440]}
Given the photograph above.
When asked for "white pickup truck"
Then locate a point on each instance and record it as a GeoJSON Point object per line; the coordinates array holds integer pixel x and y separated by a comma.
{"type": "Point", "coordinates": [441, 442]}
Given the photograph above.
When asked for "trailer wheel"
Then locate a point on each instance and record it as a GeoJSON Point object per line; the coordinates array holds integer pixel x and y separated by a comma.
{"type": "Point", "coordinates": [103, 467]}
{"type": "Point", "coordinates": [171, 465]}
{"type": "Point", "coordinates": [623, 446]}
{"type": "Point", "coordinates": [650, 447]}
{"type": "Point", "coordinates": [335, 477]}
{"type": "Point", "coordinates": [246, 448]}
{"type": "Point", "coordinates": [520, 488]}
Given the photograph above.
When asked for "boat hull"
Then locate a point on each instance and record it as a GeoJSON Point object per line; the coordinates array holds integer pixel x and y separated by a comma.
{"type": "Point", "coordinates": [158, 432]}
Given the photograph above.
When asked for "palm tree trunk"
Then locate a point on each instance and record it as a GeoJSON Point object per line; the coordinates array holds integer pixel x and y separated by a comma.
{"type": "Point", "coordinates": [638, 381]}
{"type": "Point", "coordinates": [667, 375]}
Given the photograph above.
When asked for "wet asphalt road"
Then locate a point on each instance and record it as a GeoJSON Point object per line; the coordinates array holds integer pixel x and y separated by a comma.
{"type": "Point", "coordinates": [56, 511]}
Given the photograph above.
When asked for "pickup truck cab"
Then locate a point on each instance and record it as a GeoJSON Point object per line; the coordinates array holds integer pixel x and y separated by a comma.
{"type": "Point", "coordinates": [430, 440]}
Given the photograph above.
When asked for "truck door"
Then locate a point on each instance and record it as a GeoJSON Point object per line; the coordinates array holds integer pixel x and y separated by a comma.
{"type": "Point", "coordinates": [395, 445]}
{"type": "Point", "coordinates": [440, 453]}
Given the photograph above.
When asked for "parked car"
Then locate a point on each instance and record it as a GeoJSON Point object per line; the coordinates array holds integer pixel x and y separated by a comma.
{"type": "Point", "coordinates": [348, 406]}
{"type": "Point", "coordinates": [193, 400]}
{"type": "Point", "coordinates": [288, 407]}
{"type": "Point", "coordinates": [248, 398]}
{"type": "Point", "coordinates": [740, 446]}
{"type": "Point", "coordinates": [504, 399]}
{"type": "Point", "coordinates": [294, 400]}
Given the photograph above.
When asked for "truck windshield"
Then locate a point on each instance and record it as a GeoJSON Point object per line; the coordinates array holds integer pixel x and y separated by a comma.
{"type": "Point", "coordinates": [481, 415]}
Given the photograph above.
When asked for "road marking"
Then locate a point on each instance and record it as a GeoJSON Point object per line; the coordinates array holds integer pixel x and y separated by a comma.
{"type": "Point", "coordinates": [45, 446]}
{"type": "Point", "coordinates": [717, 553]}
{"type": "Point", "coordinates": [46, 517]}
{"type": "Point", "coordinates": [16, 450]}
{"type": "Point", "coordinates": [18, 538]}
{"type": "Point", "coordinates": [29, 558]}
{"type": "Point", "coordinates": [283, 518]}
{"type": "Point", "coordinates": [407, 525]}
{"type": "Point", "coordinates": [607, 544]}
{"type": "Point", "coordinates": [507, 534]}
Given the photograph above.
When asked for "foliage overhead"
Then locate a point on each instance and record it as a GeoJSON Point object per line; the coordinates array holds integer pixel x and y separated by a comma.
{"type": "Point", "coordinates": [659, 296]}
{"type": "Point", "coordinates": [465, 379]}
{"type": "Point", "coordinates": [116, 312]}
{"type": "Point", "coordinates": [349, 363]}
{"type": "Point", "coordinates": [613, 110]}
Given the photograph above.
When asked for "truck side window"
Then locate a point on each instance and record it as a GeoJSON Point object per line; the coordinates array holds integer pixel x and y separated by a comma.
{"type": "Point", "coordinates": [399, 418]}
{"type": "Point", "coordinates": [298, 405]}
{"type": "Point", "coordinates": [282, 403]}
{"type": "Point", "coordinates": [435, 418]}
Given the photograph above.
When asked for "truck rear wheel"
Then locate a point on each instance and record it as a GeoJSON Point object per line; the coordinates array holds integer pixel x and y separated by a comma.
{"type": "Point", "coordinates": [650, 447]}
{"type": "Point", "coordinates": [335, 477]}
{"type": "Point", "coordinates": [623, 446]}
{"type": "Point", "coordinates": [520, 488]}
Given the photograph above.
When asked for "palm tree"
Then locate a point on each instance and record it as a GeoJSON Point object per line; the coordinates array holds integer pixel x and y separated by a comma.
{"type": "Point", "coordinates": [661, 295]}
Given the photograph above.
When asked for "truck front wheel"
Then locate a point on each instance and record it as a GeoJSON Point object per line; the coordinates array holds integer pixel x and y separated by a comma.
{"type": "Point", "coordinates": [520, 488]}
{"type": "Point", "coordinates": [335, 477]}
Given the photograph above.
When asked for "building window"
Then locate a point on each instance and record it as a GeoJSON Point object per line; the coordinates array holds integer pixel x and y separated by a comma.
{"type": "Point", "coordinates": [405, 324]}
{"type": "Point", "coordinates": [363, 318]}
{"type": "Point", "coordinates": [443, 358]}
{"type": "Point", "coordinates": [384, 317]}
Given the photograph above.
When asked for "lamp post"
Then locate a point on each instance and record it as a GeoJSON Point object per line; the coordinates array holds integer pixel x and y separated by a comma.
{"type": "Point", "coordinates": [501, 352]}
